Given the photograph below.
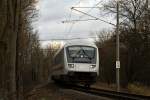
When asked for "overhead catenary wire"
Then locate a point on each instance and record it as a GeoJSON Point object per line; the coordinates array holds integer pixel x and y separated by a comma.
{"type": "Point", "coordinates": [71, 23]}
{"type": "Point", "coordinates": [77, 38]}
{"type": "Point", "coordinates": [95, 6]}
{"type": "Point", "coordinates": [93, 16]}
{"type": "Point", "coordinates": [76, 20]}
{"type": "Point", "coordinates": [85, 13]}
{"type": "Point", "coordinates": [71, 27]}
{"type": "Point", "coordinates": [88, 7]}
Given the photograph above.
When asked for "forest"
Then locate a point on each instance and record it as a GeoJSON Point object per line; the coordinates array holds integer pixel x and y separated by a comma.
{"type": "Point", "coordinates": [22, 60]}
{"type": "Point", "coordinates": [24, 63]}
{"type": "Point", "coordinates": [134, 44]}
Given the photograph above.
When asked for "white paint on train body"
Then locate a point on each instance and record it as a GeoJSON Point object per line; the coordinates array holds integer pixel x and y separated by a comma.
{"type": "Point", "coordinates": [77, 61]}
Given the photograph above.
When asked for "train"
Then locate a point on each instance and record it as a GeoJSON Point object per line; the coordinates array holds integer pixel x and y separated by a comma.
{"type": "Point", "coordinates": [77, 62]}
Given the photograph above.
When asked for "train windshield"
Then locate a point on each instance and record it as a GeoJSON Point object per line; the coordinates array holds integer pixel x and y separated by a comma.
{"type": "Point", "coordinates": [81, 54]}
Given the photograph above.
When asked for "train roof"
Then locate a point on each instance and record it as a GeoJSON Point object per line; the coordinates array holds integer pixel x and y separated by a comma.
{"type": "Point", "coordinates": [86, 43]}
{"type": "Point", "coordinates": [71, 43]}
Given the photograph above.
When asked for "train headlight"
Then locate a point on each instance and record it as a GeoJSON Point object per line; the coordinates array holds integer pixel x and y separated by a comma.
{"type": "Point", "coordinates": [71, 65]}
{"type": "Point", "coordinates": [93, 66]}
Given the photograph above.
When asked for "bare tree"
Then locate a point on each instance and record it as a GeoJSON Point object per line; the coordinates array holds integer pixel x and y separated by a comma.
{"type": "Point", "coordinates": [13, 30]}
{"type": "Point", "coordinates": [134, 35]}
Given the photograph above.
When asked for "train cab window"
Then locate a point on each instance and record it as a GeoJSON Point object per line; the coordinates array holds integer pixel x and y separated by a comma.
{"type": "Point", "coordinates": [81, 54]}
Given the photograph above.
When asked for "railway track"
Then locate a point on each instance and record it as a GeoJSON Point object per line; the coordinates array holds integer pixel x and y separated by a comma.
{"type": "Point", "coordinates": [106, 93]}
{"type": "Point", "coordinates": [28, 92]}
{"type": "Point", "coordinates": [98, 92]}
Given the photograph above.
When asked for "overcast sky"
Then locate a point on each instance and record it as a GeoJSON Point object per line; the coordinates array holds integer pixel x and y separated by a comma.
{"type": "Point", "coordinates": [53, 12]}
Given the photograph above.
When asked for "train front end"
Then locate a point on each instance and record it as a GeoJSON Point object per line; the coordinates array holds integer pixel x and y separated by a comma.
{"type": "Point", "coordinates": [82, 63]}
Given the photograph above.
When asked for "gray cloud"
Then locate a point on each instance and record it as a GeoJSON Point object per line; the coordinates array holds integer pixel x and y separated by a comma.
{"type": "Point", "coordinates": [52, 12]}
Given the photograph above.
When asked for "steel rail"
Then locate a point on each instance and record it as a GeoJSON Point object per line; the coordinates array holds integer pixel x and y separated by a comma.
{"type": "Point", "coordinates": [94, 91]}
{"type": "Point", "coordinates": [107, 93]}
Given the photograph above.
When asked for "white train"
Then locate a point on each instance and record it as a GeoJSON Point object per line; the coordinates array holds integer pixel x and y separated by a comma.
{"type": "Point", "coordinates": [77, 62]}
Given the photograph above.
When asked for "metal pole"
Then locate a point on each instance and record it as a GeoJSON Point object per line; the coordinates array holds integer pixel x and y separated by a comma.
{"type": "Point", "coordinates": [117, 51]}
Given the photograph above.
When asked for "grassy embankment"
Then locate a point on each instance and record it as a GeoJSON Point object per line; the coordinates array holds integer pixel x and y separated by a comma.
{"type": "Point", "coordinates": [133, 88]}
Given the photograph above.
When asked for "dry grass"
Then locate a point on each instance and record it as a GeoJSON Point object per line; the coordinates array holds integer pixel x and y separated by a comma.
{"type": "Point", "coordinates": [139, 89]}
{"type": "Point", "coordinates": [131, 88]}
{"type": "Point", "coordinates": [105, 86]}
{"type": "Point", "coordinates": [111, 87]}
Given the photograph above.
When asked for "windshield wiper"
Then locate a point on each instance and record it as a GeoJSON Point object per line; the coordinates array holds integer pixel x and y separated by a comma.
{"type": "Point", "coordinates": [86, 54]}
